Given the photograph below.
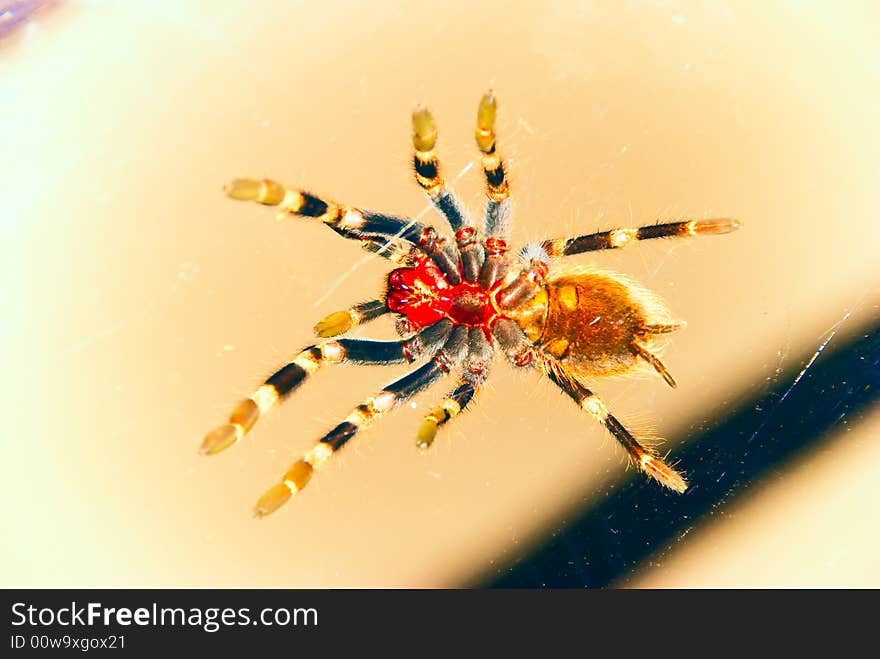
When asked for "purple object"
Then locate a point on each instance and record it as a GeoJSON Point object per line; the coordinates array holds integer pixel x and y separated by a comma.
{"type": "Point", "coordinates": [15, 13]}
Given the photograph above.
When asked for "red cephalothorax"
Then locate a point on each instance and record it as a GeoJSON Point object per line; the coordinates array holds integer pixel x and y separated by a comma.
{"type": "Point", "coordinates": [424, 295]}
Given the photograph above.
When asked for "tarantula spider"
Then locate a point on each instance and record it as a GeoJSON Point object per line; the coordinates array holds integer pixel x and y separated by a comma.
{"type": "Point", "coordinates": [457, 302]}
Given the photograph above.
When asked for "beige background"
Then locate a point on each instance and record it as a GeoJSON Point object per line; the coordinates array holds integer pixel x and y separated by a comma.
{"type": "Point", "coordinates": [140, 304]}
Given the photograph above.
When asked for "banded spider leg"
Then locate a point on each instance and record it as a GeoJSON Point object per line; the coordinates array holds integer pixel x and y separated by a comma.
{"type": "Point", "coordinates": [300, 472]}
{"type": "Point", "coordinates": [521, 353]}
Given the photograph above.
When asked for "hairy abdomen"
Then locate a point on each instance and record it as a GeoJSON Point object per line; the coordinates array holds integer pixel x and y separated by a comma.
{"type": "Point", "coordinates": [590, 319]}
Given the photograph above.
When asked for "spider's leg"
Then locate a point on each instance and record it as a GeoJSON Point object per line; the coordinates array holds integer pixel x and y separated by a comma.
{"type": "Point", "coordinates": [390, 397]}
{"type": "Point", "coordinates": [444, 255]}
{"type": "Point", "coordinates": [524, 287]}
{"type": "Point", "coordinates": [366, 226]}
{"type": "Point", "coordinates": [427, 170]}
{"type": "Point", "coordinates": [616, 238]}
{"type": "Point", "coordinates": [642, 456]}
{"type": "Point", "coordinates": [496, 224]}
{"type": "Point", "coordinates": [476, 370]}
{"type": "Point", "coordinates": [522, 353]}
{"type": "Point", "coordinates": [449, 407]}
{"type": "Point", "coordinates": [430, 178]}
{"type": "Point", "coordinates": [340, 322]}
{"type": "Point", "coordinates": [495, 265]}
{"type": "Point", "coordinates": [472, 253]}
{"type": "Point", "coordinates": [479, 356]}
{"type": "Point", "coordinates": [513, 342]}
{"type": "Point", "coordinates": [640, 351]}
{"type": "Point", "coordinates": [287, 379]}
{"type": "Point", "coordinates": [349, 222]}
{"type": "Point", "coordinates": [497, 220]}
{"type": "Point", "coordinates": [396, 250]}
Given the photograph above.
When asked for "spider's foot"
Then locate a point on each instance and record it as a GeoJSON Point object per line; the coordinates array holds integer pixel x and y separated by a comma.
{"type": "Point", "coordinates": [449, 407]}
{"type": "Point", "coordinates": [296, 478]}
{"type": "Point", "coordinates": [662, 472]}
{"type": "Point", "coordinates": [716, 226]}
{"type": "Point", "coordinates": [263, 191]}
{"type": "Point", "coordinates": [427, 432]}
{"type": "Point", "coordinates": [424, 139]}
{"type": "Point", "coordinates": [486, 123]}
{"type": "Point", "coordinates": [424, 129]}
{"type": "Point", "coordinates": [243, 189]}
{"type": "Point", "coordinates": [275, 497]}
{"type": "Point", "coordinates": [220, 439]}
{"type": "Point", "coordinates": [242, 419]}
{"type": "Point", "coordinates": [336, 323]}
{"type": "Point", "coordinates": [340, 322]}
{"type": "Point", "coordinates": [493, 168]}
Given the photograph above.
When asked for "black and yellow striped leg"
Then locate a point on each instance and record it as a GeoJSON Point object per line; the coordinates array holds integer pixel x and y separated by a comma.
{"type": "Point", "coordinates": [449, 407]}
{"type": "Point", "coordinates": [475, 369]}
{"type": "Point", "coordinates": [349, 222]}
{"type": "Point", "coordinates": [428, 175]}
{"type": "Point", "coordinates": [287, 379]}
{"type": "Point", "coordinates": [427, 170]}
{"type": "Point", "coordinates": [339, 322]}
{"type": "Point", "coordinates": [497, 220]}
{"type": "Point", "coordinates": [299, 474]}
{"type": "Point", "coordinates": [385, 235]}
{"type": "Point", "coordinates": [642, 456]}
{"type": "Point", "coordinates": [616, 238]}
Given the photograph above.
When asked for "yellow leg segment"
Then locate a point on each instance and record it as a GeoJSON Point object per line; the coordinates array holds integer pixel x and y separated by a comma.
{"type": "Point", "coordinates": [340, 322]}
{"type": "Point", "coordinates": [248, 411]}
{"type": "Point", "coordinates": [424, 139]}
{"type": "Point", "coordinates": [290, 201]}
{"type": "Point", "coordinates": [449, 408]}
{"type": "Point", "coordinates": [493, 168]}
{"type": "Point", "coordinates": [300, 472]}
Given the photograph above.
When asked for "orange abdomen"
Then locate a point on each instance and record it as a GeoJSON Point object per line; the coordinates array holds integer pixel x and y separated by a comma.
{"type": "Point", "coordinates": [589, 320]}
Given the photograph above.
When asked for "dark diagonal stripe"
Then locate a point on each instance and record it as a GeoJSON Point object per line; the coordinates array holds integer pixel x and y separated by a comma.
{"type": "Point", "coordinates": [639, 518]}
